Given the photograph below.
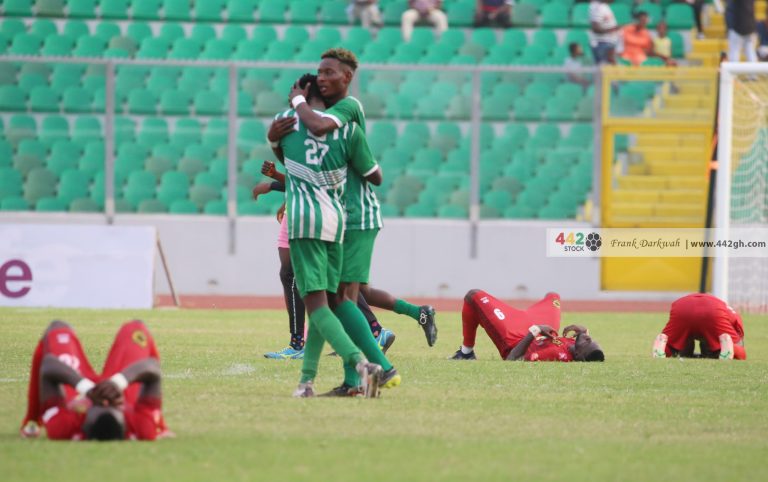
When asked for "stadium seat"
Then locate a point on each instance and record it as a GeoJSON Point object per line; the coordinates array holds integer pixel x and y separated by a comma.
{"type": "Point", "coordinates": [76, 28]}
{"type": "Point", "coordinates": [553, 15]}
{"type": "Point", "coordinates": [25, 44]}
{"type": "Point", "coordinates": [176, 9]}
{"type": "Point", "coordinates": [43, 28]}
{"type": "Point", "coordinates": [273, 11]}
{"type": "Point", "coordinates": [10, 182]}
{"type": "Point", "coordinates": [12, 98]}
{"type": "Point", "coordinates": [13, 203]}
{"type": "Point", "coordinates": [241, 10]}
{"type": "Point", "coordinates": [18, 8]}
{"type": "Point", "coordinates": [60, 45]}
{"type": "Point", "coordinates": [209, 10]}
{"type": "Point", "coordinates": [580, 15]}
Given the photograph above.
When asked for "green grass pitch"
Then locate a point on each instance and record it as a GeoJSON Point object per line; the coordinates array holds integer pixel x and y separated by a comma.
{"type": "Point", "coordinates": [630, 419]}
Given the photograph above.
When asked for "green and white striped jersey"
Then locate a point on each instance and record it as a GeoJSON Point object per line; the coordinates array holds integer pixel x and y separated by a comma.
{"type": "Point", "coordinates": [362, 206]}
{"type": "Point", "coordinates": [316, 170]}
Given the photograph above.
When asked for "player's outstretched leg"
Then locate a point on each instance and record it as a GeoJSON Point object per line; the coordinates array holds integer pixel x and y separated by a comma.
{"type": "Point", "coordinates": [424, 315]}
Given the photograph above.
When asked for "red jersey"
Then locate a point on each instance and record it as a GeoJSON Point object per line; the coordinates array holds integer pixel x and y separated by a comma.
{"type": "Point", "coordinates": [703, 317]}
{"type": "Point", "coordinates": [550, 349]}
{"type": "Point", "coordinates": [143, 421]}
{"type": "Point", "coordinates": [506, 325]}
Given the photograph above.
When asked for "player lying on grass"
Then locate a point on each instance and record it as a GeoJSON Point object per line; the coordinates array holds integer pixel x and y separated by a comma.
{"type": "Point", "coordinates": [334, 74]}
{"type": "Point", "coordinates": [293, 302]}
{"type": "Point", "coordinates": [524, 335]}
{"type": "Point", "coordinates": [73, 402]}
{"type": "Point", "coordinates": [704, 318]}
{"type": "Point", "coordinates": [316, 176]}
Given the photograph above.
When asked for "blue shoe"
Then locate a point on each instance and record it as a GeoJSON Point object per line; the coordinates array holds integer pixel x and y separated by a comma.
{"type": "Point", "coordinates": [287, 353]}
{"type": "Point", "coordinates": [385, 339]}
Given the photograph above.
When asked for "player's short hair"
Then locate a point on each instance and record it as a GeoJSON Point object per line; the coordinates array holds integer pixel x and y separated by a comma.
{"type": "Point", "coordinates": [314, 91]}
{"type": "Point", "coordinates": [342, 55]}
{"type": "Point", "coordinates": [105, 427]}
{"type": "Point", "coordinates": [595, 355]}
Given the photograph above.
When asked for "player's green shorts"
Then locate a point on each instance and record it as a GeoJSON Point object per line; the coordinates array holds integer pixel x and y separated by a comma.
{"type": "Point", "coordinates": [358, 251]}
{"type": "Point", "coordinates": [316, 265]}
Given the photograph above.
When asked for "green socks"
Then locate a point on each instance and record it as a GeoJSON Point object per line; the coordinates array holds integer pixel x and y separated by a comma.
{"type": "Point", "coordinates": [324, 323]}
{"type": "Point", "coordinates": [402, 307]}
{"type": "Point", "coordinates": [356, 326]}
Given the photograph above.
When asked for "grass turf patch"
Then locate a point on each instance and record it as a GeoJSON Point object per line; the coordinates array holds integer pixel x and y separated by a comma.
{"type": "Point", "coordinates": [630, 418]}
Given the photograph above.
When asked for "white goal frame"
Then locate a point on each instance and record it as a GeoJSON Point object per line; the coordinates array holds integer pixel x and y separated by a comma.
{"type": "Point", "coordinates": [728, 70]}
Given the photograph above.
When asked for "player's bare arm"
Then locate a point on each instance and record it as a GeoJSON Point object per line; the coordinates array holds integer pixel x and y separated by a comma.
{"type": "Point", "coordinates": [54, 373]}
{"type": "Point", "coordinates": [518, 352]}
{"type": "Point", "coordinates": [317, 124]}
{"type": "Point", "coordinates": [277, 130]}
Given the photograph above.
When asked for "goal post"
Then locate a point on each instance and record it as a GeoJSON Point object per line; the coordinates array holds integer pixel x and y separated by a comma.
{"type": "Point", "coordinates": [741, 190]}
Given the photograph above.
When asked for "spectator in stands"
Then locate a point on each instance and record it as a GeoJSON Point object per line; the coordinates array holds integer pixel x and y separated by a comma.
{"type": "Point", "coordinates": [637, 40]}
{"type": "Point", "coordinates": [662, 44]}
{"type": "Point", "coordinates": [698, 7]}
{"type": "Point", "coordinates": [423, 10]}
{"type": "Point", "coordinates": [604, 31]}
{"type": "Point", "coordinates": [762, 39]}
{"type": "Point", "coordinates": [575, 60]}
{"type": "Point", "coordinates": [741, 25]}
{"type": "Point", "coordinates": [367, 11]}
{"type": "Point", "coordinates": [493, 12]}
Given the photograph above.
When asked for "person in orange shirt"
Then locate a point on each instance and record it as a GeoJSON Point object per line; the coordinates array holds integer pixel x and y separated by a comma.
{"type": "Point", "coordinates": [638, 43]}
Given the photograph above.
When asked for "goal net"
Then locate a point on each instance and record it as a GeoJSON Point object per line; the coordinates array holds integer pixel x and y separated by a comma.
{"type": "Point", "coordinates": [741, 198]}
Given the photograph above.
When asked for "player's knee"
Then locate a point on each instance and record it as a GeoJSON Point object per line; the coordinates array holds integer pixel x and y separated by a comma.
{"type": "Point", "coordinates": [470, 294]}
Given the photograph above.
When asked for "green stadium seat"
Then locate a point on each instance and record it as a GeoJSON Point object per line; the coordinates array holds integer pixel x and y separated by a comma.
{"type": "Point", "coordinates": [580, 15]}
{"type": "Point", "coordinates": [216, 207]}
{"type": "Point", "coordinates": [73, 184]}
{"type": "Point", "coordinates": [20, 127]}
{"type": "Point", "coordinates": [420, 210]}
{"type": "Point", "coordinates": [209, 10]}
{"type": "Point", "coordinates": [158, 165]}
{"type": "Point", "coordinates": [40, 183]}
{"type": "Point", "coordinates": [152, 206]}
{"type": "Point", "coordinates": [33, 148]}
{"type": "Point", "coordinates": [553, 15]}
{"type": "Point", "coordinates": [295, 35]}
{"type": "Point", "coordinates": [89, 46]}
{"type": "Point", "coordinates": [176, 9]}
{"type": "Point", "coordinates": [273, 11]}
{"type": "Point", "coordinates": [84, 205]}
{"type": "Point", "coordinates": [623, 13]}
{"type": "Point", "coordinates": [217, 49]}
{"type": "Point", "coordinates": [13, 203]}
{"type": "Point", "coordinates": [191, 166]}
{"type": "Point", "coordinates": [203, 33]}
{"type": "Point", "coordinates": [525, 15]}
{"type": "Point", "coordinates": [678, 45]}
{"type": "Point", "coordinates": [520, 212]}
{"type": "Point", "coordinates": [153, 48]}
{"type": "Point", "coordinates": [6, 153]}
{"type": "Point", "coordinates": [201, 195]}
{"type": "Point", "coordinates": [107, 30]}
{"type": "Point", "coordinates": [12, 98]}
{"type": "Point", "coordinates": [57, 45]}
{"type": "Point", "coordinates": [233, 34]}
{"type": "Point", "coordinates": [12, 27]}
{"type": "Point", "coordinates": [29, 81]}
{"type": "Point", "coordinates": [462, 14]}
{"type": "Point", "coordinates": [50, 204]}
{"type": "Point", "coordinates": [142, 101]}
{"type": "Point", "coordinates": [174, 103]}
{"type": "Point", "coordinates": [209, 103]}
{"type": "Point", "coordinates": [559, 109]}
{"type": "Point", "coordinates": [76, 28]}
{"type": "Point", "coordinates": [303, 11]}
{"type": "Point", "coordinates": [145, 10]}
{"type": "Point", "coordinates": [81, 8]}
{"type": "Point", "coordinates": [18, 8]}
{"type": "Point", "coordinates": [113, 9]}
{"type": "Point", "coordinates": [43, 28]}
{"type": "Point", "coordinates": [44, 99]}
{"type": "Point", "coordinates": [241, 10]}
{"type": "Point", "coordinates": [25, 44]}
{"type": "Point", "coordinates": [333, 12]}
{"type": "Point", "coordinates": [10, 182]}
{"type": "Point", "coordinates": [76, 99]}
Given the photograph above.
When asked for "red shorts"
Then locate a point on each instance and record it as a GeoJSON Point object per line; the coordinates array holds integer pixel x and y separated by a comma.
{"type": "Point", "coordinates": [701, 317]}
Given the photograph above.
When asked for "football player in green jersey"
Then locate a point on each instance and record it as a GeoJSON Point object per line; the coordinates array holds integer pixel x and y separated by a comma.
{"type": "Point", "coordinates": [317, 168]}
{"type": "Point", "coordinates": [334, 75]}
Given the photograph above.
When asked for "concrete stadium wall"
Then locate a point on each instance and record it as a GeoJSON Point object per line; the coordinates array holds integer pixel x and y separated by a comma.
{"type": "Point", "coordinates": [418, 258]}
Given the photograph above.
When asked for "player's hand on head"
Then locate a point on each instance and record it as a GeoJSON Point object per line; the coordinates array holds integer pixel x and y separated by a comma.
{"type": "Point", "coordinates": [106, 394]}
{"type": "Point", "coordinates": [297, 91]}
{"type": "Point", "coordinates": [280, 128]}
{"type": "Point", "coordinates": [576, 329]}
